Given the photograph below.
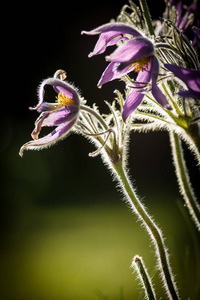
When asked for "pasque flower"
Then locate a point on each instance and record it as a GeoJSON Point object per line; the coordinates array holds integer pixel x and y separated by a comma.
{"type": "Point", "coordinates": [188, 20]}
{"type": "Point", "coordinates": [62, 114]}
{"type": "Point", "coordinates": [190, 77]}
{"type": "Point", "coordinates": [137, 54]}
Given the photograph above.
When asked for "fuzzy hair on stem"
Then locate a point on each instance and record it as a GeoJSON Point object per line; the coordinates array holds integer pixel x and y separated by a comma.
{"type": "Point", "coordinates": [143, 276]}
{"type": "Point", "coordinates": [183, 179]}
{"type": "Point", "coordinates": [155, 233]}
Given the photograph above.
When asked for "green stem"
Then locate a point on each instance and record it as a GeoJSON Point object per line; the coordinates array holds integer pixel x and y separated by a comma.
{"type": "Point", "coordinates": [167, 46]}
{"type": "Point", "coordinates": [143, 275]}
{"type": "Point", "coordinates": [183, 178]}
{"type": "Point", "coordinates": [147, 16]}
{"type": "Point", "coordinates": [193, 139]}
{"type": "Point", "coordinates": [96, 115]}
{"type": "Point", "coordinates": [153, 230]}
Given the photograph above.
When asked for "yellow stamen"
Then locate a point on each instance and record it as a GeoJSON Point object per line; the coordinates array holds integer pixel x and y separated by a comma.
{"type": "Point", "coordinates": [141, 64]}
{"type": "Point", "coordinates": [64, 100]}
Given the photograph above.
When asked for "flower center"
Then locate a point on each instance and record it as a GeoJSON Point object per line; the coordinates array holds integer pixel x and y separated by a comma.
{"type": "Point", "coordinates": [64, 100]}
{"type": "Point", "coordinates": [141, 64]}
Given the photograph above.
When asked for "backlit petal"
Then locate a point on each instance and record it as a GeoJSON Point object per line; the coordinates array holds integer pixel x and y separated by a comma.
{"type": "Point", "coordinates": [131, 103]}
{"type": "Point", "coordinates": [62, 115]}
{"type": "Point", "coordinates": [158, 95]}
{"type": "Point", "coordinates": [59, 86]}
{"type": "Point", "coordinates": [119, 27]}
{"type": "Point", "coordinates": [106, 39]}
{"type": "Point", "coordinates": [56, 135]}
{"type": "Point", "coordinates": [132, 50]}
{"type": "Point", "coordinates": [190, 77]}
{"type": "Point", "coordinates": [112, 73]}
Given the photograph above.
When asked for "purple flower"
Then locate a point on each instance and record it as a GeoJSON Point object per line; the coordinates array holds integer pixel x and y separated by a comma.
{"type": "Point", "coordinates": [110, 34]}
{"type": "Point", "coordinates": [62, 114]}
{"type": "Point", "coordinates": [188, 20]}
{"type": "Point", "coordinates": [190, 77]}
{"type": "Point", "coordinates": [135, 97]}
{"type": "Point", "coordinates": [136, 54]}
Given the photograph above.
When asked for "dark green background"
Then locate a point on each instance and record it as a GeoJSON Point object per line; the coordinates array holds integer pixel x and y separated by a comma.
{"type": "Point", "coordinates": [65, 232]}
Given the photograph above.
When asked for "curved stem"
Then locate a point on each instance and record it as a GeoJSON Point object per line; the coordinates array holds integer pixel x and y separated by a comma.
{"type": "Point", "coordinates": [166, 46]}
{"type": "Point", "coordinates": [96, 115]}
{"type": "Point", "coordinates": [154, 232]}
{"type": "Point", "coordinates": [183, 178]}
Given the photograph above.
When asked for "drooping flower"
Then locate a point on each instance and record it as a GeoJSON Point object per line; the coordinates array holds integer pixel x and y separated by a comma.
{"type": "Point", "coordinates": [136, 54]}
{"type": "Point", "coordinates": [62, 114]}
{"type": "Point", "coordinates": [190, 77]}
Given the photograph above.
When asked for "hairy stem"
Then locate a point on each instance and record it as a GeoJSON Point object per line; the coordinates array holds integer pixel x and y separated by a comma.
{"type": "Point", "coordinates": [193, 139]}
{"type": "Point", "coordinates": [183, 178]}
{"type": "Point", "coordinates": [154, 232]}
{"type": "Point", "coordinates": [144, 277]}
{"type": "Point", "coordinates": [95, 114]}
{"type": "Point", "coordinates": [147, 16]}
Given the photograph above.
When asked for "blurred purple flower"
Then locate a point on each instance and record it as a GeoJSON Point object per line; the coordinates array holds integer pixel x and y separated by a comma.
{"type": "Point", "coordinates": [135, 54]}
{"type": "Point", "coordinates": [190, 77]}
{"type": "Point", "coordinates": [188, 20]}
{"type": "Point", "coordinates": [62, 114]}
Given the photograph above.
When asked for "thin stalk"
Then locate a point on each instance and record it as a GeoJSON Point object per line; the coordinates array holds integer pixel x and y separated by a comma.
{"type": "Point", "coordinates": [95, 114]}
{"type": "Point", "coordinates": [171, 99]}
{"type": "Point", "coordinates": [147, 16]}
{"type": "Point", "coordinates": [193, 139]}
{"type": "Point", "coordinates": [166, 46]}
{"type": "Point", "coordinates": [93, 132]}
{"type": "Point", "coordinates": [144, 277]}
{"type": "Point", "coordinates": [154, 232]}
{"type": "Point", "coordinates": [183, 179]}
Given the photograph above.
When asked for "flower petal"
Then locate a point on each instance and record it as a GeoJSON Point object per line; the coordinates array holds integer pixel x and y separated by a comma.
{"type": "Point", "coordinates": [156, 92]}
{"type": "Point", "coordinates": [46, 106]}
{"type": "Point", "coordinates": [110, 34]}
{"type": "Point", "coordinates": [144, 75]}
{"type": "Point", "coordinates": [131, 103]}
{"type": "Point", "coordinates": [59, 86]}
{"type": "Point", "coordinates": [132, 50]}
{"type": "Point", "coordinates": [190, 94]}
{"type": "Point", "coordinates": [56, 135]}
{"type": "Point", "coordinates": [62, 115]}
{"type": "Point", "coordinates": [112, 73]}
{"type": "Point", "coordinates": [135, 96]}
{"type": "Point", "coordinates": [190, 77]}
{"type": "Point", "coordinates": [106, 39]}
{"type": "Point", "coordinates": [119, 27]}
{"type": "Point", "coordinates": [55, 118]}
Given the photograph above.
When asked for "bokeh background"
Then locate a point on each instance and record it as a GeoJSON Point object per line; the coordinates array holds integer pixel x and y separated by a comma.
{"type": "Point", "coordinates": [65, 233]}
